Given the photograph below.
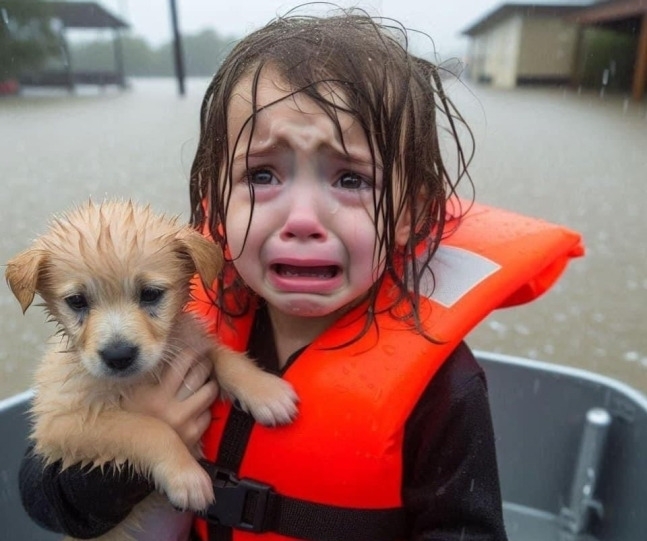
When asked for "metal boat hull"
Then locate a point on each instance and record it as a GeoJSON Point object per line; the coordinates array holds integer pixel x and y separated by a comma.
{"type": "Point", "coordinates": [540, 412]}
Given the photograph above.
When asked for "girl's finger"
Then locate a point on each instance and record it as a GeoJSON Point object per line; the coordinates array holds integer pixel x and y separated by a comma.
{"type": "Point", "coordinates": [175, 372]}
{"type": "Point", "coordinates": [195, 378]}
{"type": "Point", "coordinates": [201, 400]}
{"type": "Point", "coordinates": [202, 423]}
{"type": "Point", "coordinates": [192, 432]}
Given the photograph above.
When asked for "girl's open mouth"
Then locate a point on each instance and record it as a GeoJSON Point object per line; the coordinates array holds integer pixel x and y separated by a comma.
{"type": "Point", "coordinates": [310, 279]}
{"type": "Point", "coordinates": [323, 272]}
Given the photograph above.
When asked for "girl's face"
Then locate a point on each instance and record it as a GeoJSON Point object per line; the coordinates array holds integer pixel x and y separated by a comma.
{"type": "Point", "coordinates": [310, 248]}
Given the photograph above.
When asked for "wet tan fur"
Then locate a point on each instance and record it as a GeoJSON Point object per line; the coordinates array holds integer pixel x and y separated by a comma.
{"type": "Point", "coordinates": [108, 251]}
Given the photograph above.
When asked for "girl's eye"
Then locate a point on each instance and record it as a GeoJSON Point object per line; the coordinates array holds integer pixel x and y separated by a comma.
{"type": "Point", "coordinates": [353, 181]}
{"type": "Point", "coordinates": [261, 177]}
{"type": "Point", "coordinates": [77, 302]}
{"type": "Point", "coordinates": [150, 295]}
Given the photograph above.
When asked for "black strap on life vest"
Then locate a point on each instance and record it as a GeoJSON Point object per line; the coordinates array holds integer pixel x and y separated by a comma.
{"type": "Point", "coordinates": [248, 505]}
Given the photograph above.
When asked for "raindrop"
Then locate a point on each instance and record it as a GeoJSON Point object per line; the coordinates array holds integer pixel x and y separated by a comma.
{"type": "Point", "coordinates": [605, 77]}
{"type": "Point", "coordinates": [5, 16]}
{"type": "Point", "coordinates": [389, 349]}
{"type": "Point", "coordinates": [521, 329]}
{"type": "Point", "coordinates": [498, 327]}
{"type": "Point", "coordinates": [631, 356]}
{"type": "Point", "coordinates": [598, 317]}
{"type": "Point", "coordinates": [605, 81]}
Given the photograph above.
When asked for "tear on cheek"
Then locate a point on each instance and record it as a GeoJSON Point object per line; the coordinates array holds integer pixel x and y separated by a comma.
{"type": "Point", "coordinates": [334, 207]}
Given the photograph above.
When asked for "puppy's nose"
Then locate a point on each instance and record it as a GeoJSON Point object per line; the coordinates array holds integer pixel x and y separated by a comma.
{"type": "Point", "coordinates": [119, 355]}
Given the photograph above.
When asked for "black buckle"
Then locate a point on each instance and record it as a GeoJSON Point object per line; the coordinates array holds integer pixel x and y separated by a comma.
{"type": "Point", "coordinates": [240, 503]}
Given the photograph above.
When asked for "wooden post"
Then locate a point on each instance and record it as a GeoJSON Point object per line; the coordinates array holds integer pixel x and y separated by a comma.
{"type": "Point", "coordinates": [579, 58]}
{"type": "Point", "coordinates": [67, 59]}
{"type": "Point", "coordinates": [119, 57]}
{"type": "Point", "coordinates": [640, 68]}
{"type": "Point", "coordinates": [177, 49]}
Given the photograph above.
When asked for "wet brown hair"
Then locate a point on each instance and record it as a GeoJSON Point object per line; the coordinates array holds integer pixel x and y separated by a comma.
{"type": "Point", "coordinates": [397, 99]}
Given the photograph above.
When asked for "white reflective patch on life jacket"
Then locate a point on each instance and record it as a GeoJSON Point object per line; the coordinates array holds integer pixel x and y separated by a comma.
{"type": "Point", "coordinates": [453, 272]}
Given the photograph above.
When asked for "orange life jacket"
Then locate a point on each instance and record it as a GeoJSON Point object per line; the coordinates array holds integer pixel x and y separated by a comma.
{"type": "Point", "coordinates": [345, 448]}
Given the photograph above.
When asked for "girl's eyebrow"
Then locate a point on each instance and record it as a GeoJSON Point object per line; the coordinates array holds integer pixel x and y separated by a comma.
{"type": "Point", "coordinates": [267, 149]}
{"type": "Point", "coordinates": [363, 159]}
{"type": "Point", "coordinates": [258, 151]}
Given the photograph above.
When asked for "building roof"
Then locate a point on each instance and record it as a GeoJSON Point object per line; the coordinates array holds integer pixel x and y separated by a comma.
{"type": "Point", "coordinates": [504, 11]}
{"type": "Point", "coordinates": [78, 14]}
{"type": "Point", "coordinates": [86, 15]}
{"type": "Point", "coordinates": [614, 10]}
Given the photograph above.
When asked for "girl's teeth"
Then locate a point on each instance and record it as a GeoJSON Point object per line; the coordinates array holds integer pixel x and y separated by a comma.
{"type": "Point", "coordinates": [307, 272]}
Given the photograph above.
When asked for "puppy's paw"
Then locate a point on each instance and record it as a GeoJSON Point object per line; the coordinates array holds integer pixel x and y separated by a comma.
{"type": "Point", "coordinates": [270, 400]}
{"type": "Point", "coordinates": [187, 488]}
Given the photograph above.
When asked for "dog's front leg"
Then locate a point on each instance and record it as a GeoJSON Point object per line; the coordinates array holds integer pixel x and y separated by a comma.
{"type": "Point", "coordinates": [270, 399]}
{"type": "Point", "coordinates": [150, 446]}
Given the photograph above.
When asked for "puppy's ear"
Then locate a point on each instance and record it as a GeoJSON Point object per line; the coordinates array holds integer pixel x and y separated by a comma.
{"type": "Point", "coordinates": [205, 254]}
{"type": "Point", "coordinates": [22, 275]}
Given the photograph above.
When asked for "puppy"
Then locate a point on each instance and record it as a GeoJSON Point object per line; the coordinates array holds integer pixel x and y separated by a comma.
{"type": "Point", "coordinates": [115, 278]}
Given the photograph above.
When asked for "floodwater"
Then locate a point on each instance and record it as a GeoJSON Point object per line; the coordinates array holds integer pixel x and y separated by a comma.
{"type": "Point", "coordinates": [569, 157]}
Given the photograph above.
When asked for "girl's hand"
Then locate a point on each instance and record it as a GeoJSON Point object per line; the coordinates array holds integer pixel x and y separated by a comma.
{"type": "Point", "coordinates": [182, 398]}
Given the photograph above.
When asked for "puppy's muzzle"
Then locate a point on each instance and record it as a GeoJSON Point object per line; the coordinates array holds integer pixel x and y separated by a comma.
{"type": "Point", "coordinates": [119, 356]}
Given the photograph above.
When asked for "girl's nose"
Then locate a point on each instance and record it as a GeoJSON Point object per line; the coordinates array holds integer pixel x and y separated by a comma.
{"type": "Point", "coordinates": [303, 219]}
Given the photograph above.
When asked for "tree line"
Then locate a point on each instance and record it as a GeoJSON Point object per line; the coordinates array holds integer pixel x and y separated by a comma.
{"type": "Point", "coordinates": [203, 53]}
{"type": "Point", "coordinates": [31, 39]}
{"type": "Point", "coordinates": [27, 37]}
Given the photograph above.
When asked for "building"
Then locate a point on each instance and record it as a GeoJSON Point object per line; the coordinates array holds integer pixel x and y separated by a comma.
{"type": "Point", "coordinates": [628, 17]}
{"type": "Point", "coordinates": [519, 43]}
{"type": "Point", "coordinates": [64, 16]}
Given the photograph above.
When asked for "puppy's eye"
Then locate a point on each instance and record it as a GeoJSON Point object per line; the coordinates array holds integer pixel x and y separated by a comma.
{"type": "Point", "coordinates": [150, 295]}
{"type": "Point", "coordinates": [77, 302]}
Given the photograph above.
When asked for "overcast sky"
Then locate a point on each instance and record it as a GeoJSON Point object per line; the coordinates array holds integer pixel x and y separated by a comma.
{"type": "Point", "coordinates": [443, 21]}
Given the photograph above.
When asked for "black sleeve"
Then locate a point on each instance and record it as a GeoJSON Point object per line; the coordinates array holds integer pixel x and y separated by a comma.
{"type": "Point", "coordinates": [450, 481]}
{"type": "Point", "coordinates": [79, 501]}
